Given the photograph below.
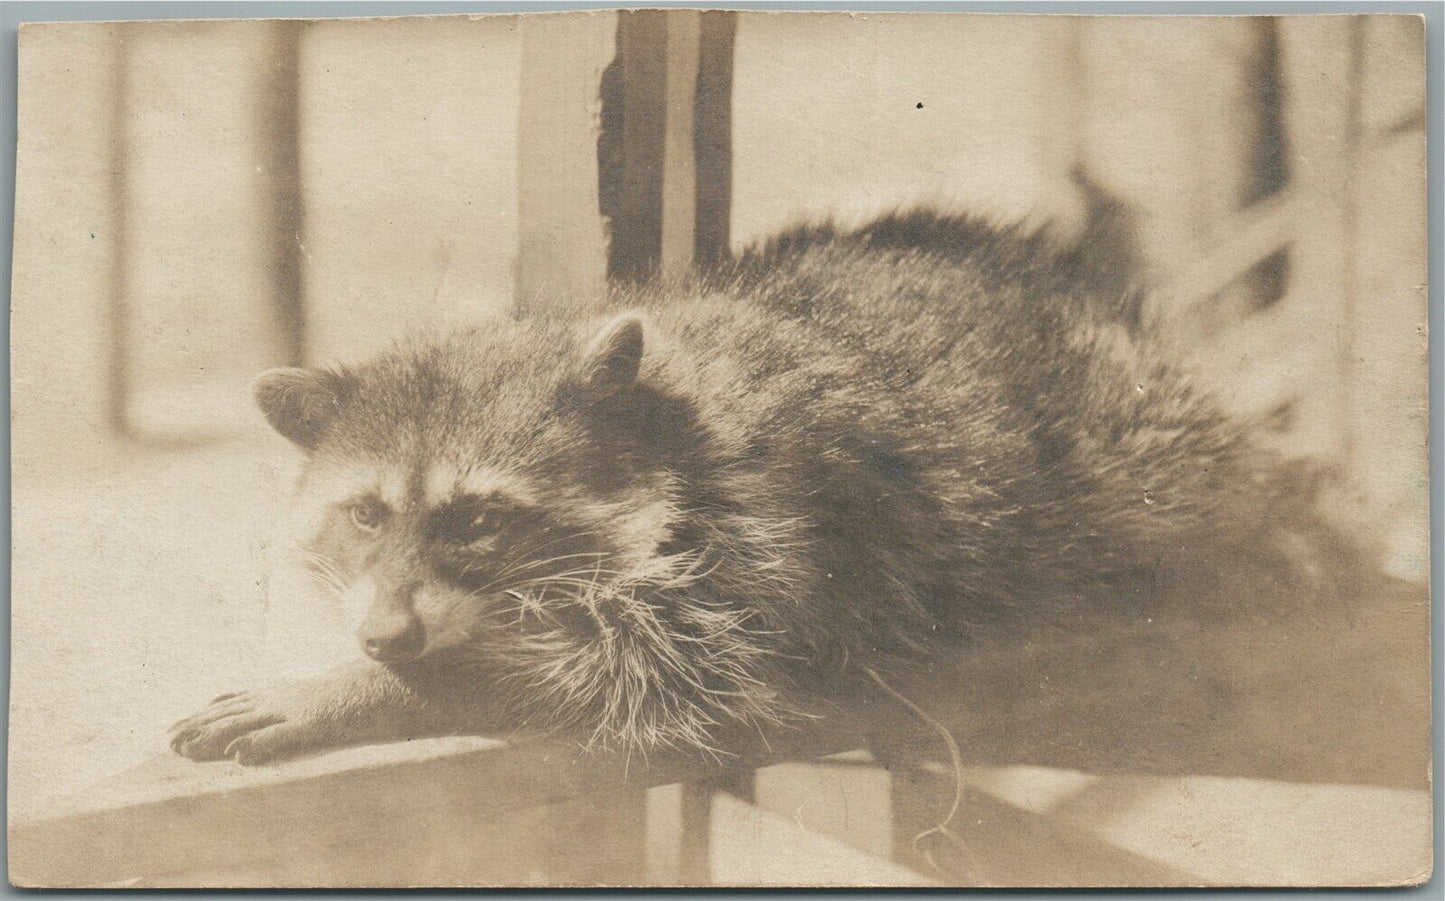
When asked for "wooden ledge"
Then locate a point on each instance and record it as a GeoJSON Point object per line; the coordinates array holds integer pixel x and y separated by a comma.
{"type": "Point", "coordinates": [408, 813]}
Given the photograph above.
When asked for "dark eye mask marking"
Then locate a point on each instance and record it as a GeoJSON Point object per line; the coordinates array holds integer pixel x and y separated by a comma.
{"type": "Point", "coordinates": [470, 518]}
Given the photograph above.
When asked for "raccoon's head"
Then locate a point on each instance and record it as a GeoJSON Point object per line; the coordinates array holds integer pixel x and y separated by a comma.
{"type": "Point", "coordinates": [448, 481]}
{"type": "Point", "coordinates": [527, 502]}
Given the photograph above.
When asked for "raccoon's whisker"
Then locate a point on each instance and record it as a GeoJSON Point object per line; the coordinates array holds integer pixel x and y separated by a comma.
{"type": "Point", "coordinates": [528, 603]}
{"type": "Point", "coordinates": [317, 556]}
{"type": "Point", "coordinates": [336, 586]}
{"type": "Point", "coordinates": [529, 564]}
{"type": "Point", "coordinates": [531, 552]}
{"type": "Point", "coordinates": [322, 562]}
{"type": "Point", "coordinates": [533, 562]}
{"type": "Point", "coordinates": [325, 578]}
{"type": "Point", "coordinates": [333, 590]}
{"type": "Point", "coordinates": [528, 556]}
{"type": "Point", "coordinates": [564, 576]}
{"type": "Point", "coordinates": [584, 584]}
{"type": "Point", "coordinates": [577, 571]}
{"type": "Point", "coordinates": [325, 572]}
{"type": "Point", "coordinates": [502, 587]}
{"type": "Point", "coordinates": [493, 586]}
{"type": "Point", "coordinates": [515, 569]}
{"type": "Point", "coordinates": [335, 581]}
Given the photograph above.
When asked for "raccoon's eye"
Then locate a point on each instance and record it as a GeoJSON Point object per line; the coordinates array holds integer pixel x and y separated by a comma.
{"type": "Point", "coordinates": [368, 514]}
{"type": "Point", "coordinates": [466, 520]}
{"type": "Point", "coordinates": [474, 525]}
{"type": "Point", "coordinates": [485, 522]}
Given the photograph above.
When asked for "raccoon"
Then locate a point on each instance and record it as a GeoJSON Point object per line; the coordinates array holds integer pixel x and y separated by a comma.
{"type": "Point", "coordinates": [700, 508]}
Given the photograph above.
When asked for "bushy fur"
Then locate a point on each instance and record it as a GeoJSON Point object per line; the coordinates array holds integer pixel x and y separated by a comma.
{"type": "Point", "coordinates": [842, 451]}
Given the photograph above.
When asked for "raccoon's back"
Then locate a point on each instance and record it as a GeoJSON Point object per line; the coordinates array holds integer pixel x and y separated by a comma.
{"type": "Point", "coordinates": [1000, 330]}
{"type": "Point", "coordinates": [1024, 407]}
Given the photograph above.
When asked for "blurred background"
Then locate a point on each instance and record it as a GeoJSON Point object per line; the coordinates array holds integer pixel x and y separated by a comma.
{"type": "Point", "coordinates": [198, 201]}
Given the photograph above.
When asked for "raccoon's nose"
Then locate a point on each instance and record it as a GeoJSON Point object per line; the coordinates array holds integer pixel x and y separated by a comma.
{"type": "Point", "coordinates": [392, 639]}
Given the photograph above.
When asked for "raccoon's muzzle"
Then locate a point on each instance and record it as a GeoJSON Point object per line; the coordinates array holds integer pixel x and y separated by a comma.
{"type": "Point", "coordinates": [392, 638]}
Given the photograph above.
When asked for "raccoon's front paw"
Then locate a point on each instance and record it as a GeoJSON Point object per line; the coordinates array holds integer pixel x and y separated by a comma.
{"type": "Point", "coordinates": [249, 727]}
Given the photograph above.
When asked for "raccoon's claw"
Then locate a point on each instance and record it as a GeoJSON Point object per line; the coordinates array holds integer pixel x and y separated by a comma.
{"type": "Point", "coordinates": [226, 705]}
{"type": "Point", "coordinates": [271, 743]}
{"type": "Point", "coordinates": [208, 735]}
{"type": "Point", "coordinates": [180, 739]}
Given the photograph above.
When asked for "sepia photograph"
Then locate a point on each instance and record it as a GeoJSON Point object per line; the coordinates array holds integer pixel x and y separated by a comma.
{"type": "Point", "coordinates": [708, 447]}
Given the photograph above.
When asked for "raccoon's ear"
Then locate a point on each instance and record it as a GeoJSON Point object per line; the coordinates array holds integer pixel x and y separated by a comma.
{"type": "Point", "coordinates": [614, 356]}
{"type": "Point", "coordinates": [299, 403]}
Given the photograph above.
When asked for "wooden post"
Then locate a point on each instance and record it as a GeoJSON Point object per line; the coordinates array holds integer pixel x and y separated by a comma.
{"type": "Point", "coordinates": [1063, 81]}
{"type": "Point", "coordinates": [118, 362]}
{"type": "Point", "coordinates": [157, 392]}
{"type": "Point", "coordinates": [713, 135]}
{"type": "Point", "coordinates": [679, 833]}
{"type": "Point", "coordinates": [1168, 133]}
{"type": "Point", "coordinates": [634, 107]}
{"type": "Point", "coordinates": [679, 156]}
{"type": "Point", "coordinates": [1389, 406]}
{"type": "Point", "coordinates": [665, 161]}
{"type": "Point", "coordinates": [1321, 69]}
{"type": "Point", "coordinates": [278, 144]}
{"type": "Point", "coordinates": [562, 247]}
